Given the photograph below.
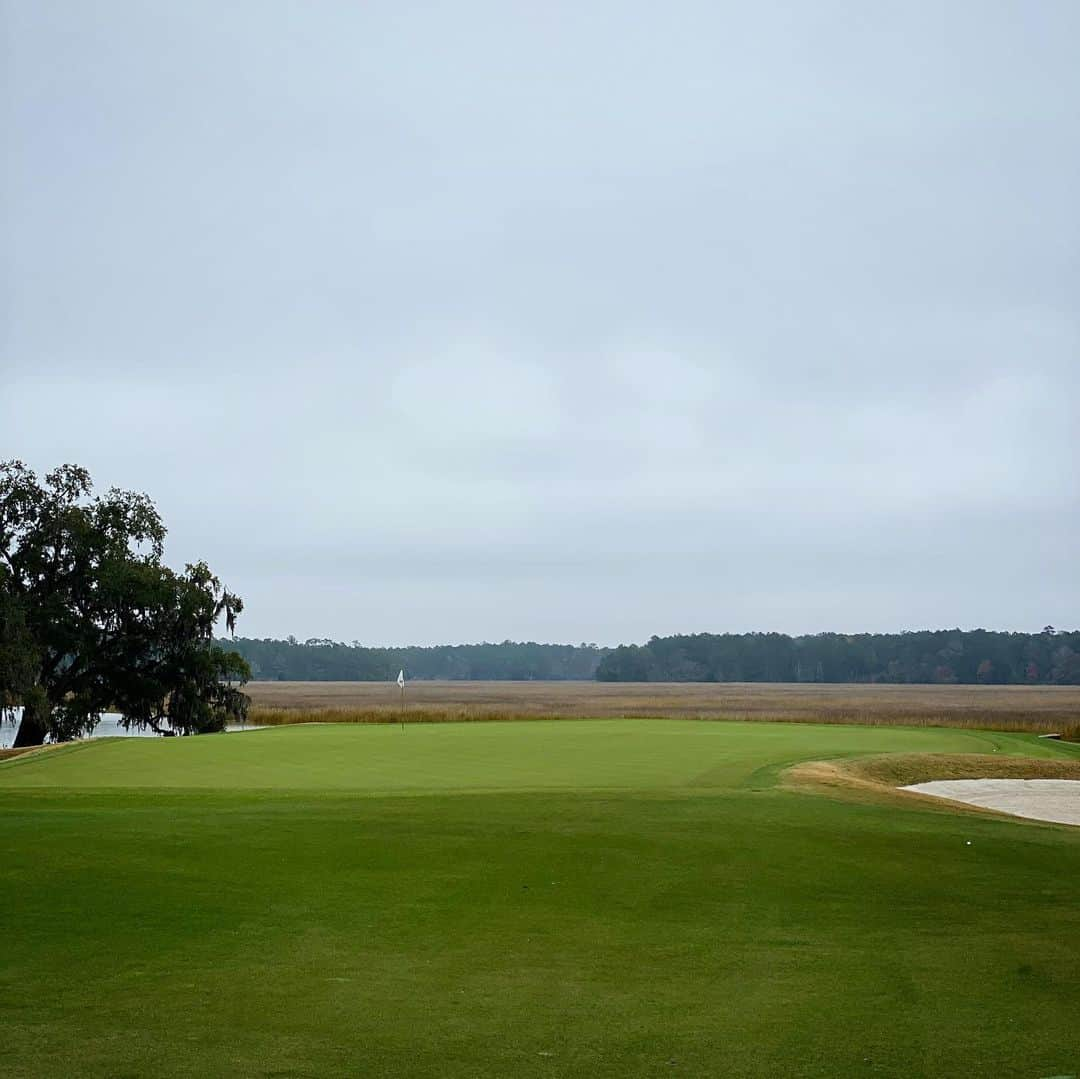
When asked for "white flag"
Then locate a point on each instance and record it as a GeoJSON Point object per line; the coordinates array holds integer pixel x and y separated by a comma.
{"type": "Point", "coordinates": [401, 679]}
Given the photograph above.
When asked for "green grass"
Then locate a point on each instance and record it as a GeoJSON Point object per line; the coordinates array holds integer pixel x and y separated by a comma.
{"type": "Point", "coordinates": [590, 754]}
{"type": "Point", "coordinates": [571, 899]}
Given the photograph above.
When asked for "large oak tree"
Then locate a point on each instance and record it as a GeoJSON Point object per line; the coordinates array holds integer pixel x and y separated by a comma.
{"type": "Point", "coordinates": [92, 621]}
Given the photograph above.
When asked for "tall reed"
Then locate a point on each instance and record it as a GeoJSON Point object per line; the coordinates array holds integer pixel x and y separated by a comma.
{"type": "Point", "coordinates": [995, 720]}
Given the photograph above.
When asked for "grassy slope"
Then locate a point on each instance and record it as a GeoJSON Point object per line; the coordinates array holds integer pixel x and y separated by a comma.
{"type": "Point", "coordinates": [588, 754]}
{"type": "Point", "coordinates": [636, 930]}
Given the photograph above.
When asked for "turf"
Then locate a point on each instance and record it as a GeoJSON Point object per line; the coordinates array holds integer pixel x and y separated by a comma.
{"type": "Point", "coordinates": [590, 754]}
{"type": "Point", "coordinates": [571, 899]}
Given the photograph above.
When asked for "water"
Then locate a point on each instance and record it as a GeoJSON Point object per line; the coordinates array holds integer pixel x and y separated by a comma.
{"type": "Point", "coordinates": [108, 727]}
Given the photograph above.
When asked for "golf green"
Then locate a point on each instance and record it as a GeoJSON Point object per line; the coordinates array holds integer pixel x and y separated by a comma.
{"type": "Point", "coordinates": [578, 898]}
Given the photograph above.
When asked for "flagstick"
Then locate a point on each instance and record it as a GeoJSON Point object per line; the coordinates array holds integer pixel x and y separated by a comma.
{"type": "Point", "coordinates": [403, 707]}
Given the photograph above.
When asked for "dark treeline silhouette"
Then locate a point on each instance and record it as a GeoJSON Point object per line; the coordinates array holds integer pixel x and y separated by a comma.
{"type": "Point", "coordinates": [318, 660]}
{"type": "Point", "coordinates": [933, 656]}
{"type": "Point", "coordinates": [1051, 657]}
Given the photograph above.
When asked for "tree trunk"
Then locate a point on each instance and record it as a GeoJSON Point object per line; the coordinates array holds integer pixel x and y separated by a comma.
{"type": "Point", "coordinates": [32, 729]}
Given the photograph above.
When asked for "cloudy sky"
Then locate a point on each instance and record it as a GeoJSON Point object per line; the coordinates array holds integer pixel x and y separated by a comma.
{"type": "Point", "coordinates": [431, 322]}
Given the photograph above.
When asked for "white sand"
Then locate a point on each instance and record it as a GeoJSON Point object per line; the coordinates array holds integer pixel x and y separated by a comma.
{"type": "Point", "coordinates": [1040, 799]}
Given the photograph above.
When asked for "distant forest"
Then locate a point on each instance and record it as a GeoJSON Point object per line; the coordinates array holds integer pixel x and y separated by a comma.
{"type": "Point", "coordinates": [1051, 657]}
{"type": "Point", "coordinates": [934, 656]}
{"type": "Point", "coordinates": [318, 660]}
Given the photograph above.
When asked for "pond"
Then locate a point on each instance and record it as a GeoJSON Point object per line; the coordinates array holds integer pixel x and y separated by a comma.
{"type": "Point", "coordinates": [108, 727]}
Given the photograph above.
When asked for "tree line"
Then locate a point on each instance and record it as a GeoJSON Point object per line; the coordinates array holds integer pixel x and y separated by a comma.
{"type": "Point", "coordinates": [977, 656]}
{"type": "Point", "coordinates": [320, 660]}
{"type": "Point", "coordinates": [1051, 657]}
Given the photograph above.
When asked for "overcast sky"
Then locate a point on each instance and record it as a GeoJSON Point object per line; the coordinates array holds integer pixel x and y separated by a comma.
{"type": "Point", "coordinates": [564, 321]}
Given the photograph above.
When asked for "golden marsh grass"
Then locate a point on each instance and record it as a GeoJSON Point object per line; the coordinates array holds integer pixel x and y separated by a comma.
{"type": "Point", "coordinates": [1039, 709]}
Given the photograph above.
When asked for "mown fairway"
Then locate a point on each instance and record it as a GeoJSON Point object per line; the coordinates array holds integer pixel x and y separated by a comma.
{"type": "Point", "coordinates": [537, 899]}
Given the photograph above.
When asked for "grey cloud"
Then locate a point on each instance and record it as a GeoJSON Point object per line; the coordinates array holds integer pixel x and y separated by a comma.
{"type": "Point", "coordinates": [440, 322]}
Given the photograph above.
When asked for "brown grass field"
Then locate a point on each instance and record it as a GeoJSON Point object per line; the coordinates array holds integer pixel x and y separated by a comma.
{"type": "Point", "coordinates": [1042, 709]}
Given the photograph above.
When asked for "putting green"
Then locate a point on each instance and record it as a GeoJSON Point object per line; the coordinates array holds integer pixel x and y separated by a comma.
{"type": "Point", "coordinates": [574, 755]}
{"type": "Point", "coordinates": [610, 898]}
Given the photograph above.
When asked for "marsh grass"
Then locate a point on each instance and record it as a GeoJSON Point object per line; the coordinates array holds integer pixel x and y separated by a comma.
{"type": "Point", "coordinates": [1035, 709]}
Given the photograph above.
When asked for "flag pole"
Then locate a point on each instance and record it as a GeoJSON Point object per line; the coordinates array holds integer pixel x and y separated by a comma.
{"type": "Point", "coordinates": [401, 686]}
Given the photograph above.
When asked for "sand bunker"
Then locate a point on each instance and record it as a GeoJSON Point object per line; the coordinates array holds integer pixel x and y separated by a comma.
{"type": "Point", "coordinates": [1055, 800]}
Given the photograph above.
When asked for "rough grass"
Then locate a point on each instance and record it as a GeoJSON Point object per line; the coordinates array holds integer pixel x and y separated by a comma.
{"type": "Point", "coordinates": [600, 899]}
{"type": "Point", "coordinates": [881, 776]}
{"type": "Point", "coordinates": [902, 770]}
{"type": "Point", "coordinates": [10, 754]}
{"type": "Point", "coordinates": [1039, 709]}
